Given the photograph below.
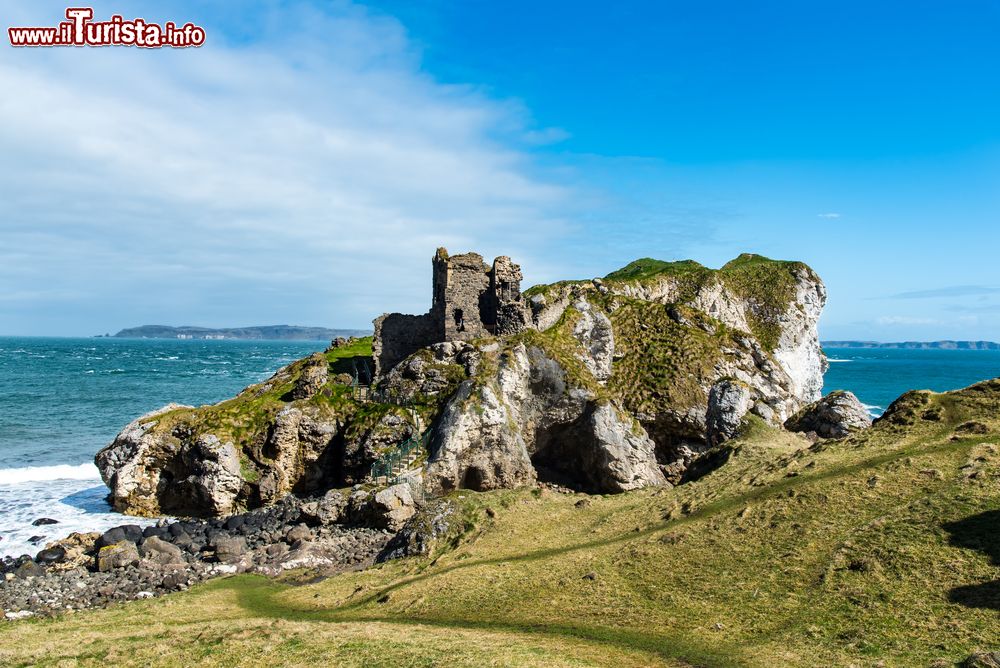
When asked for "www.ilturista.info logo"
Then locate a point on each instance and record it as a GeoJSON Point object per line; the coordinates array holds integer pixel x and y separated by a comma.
{"type": "Point", "coordinates": [81, 30]}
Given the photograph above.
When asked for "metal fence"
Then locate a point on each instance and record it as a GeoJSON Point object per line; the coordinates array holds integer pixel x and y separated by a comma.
{"type": "Point", "coordinates": [391, 464]}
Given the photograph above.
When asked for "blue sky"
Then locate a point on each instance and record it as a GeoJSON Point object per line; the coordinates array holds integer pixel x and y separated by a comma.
{"type": "Point", "coordinates": [304, 164]}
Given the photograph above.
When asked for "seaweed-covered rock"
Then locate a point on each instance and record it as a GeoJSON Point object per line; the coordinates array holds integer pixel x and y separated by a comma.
{"type": "Point", "coordinates": [837, 415]}
{"type": "Point", "coordinates": [118, 555]}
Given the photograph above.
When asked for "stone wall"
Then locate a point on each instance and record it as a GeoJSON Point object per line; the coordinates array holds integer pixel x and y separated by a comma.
{"type": "Point", "coordinates": [468, 311]}
{"type": "Point", "coordinates": [397, 336]}
{"type": "Point", "coordinates": [470, 300]}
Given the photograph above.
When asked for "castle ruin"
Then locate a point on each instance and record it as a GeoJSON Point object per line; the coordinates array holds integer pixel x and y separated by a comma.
{"type": "Point", "coordinates": [471, 300]}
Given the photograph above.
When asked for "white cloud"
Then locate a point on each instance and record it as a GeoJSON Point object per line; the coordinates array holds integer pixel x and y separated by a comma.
{"type": "Point", "coordinates": [244, 184]}
{"type": "Point", "coordinates": [828, 216]}
{"type": "Point", "coordinates": [902, 320]}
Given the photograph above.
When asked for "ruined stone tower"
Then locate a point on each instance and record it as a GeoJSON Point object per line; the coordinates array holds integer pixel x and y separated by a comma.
{"type": "Point", "coordinates": [470, 300]}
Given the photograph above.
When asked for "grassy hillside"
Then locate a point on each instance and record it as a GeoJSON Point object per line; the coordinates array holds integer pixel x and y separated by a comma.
{"type": "Point", "coordinates": [883, 549]}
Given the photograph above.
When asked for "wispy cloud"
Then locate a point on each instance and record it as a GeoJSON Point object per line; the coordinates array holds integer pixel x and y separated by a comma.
{"type": "Point", "coordinates": [950, 291]}
{"type": "Point", "coordinates": [901, 320]}
{"type": "Point", "coordinates": [828, 216]}
{"type": "Point", "coordinates": [978, 308]}
{"type": "Point", "coordinates": [273, 181]}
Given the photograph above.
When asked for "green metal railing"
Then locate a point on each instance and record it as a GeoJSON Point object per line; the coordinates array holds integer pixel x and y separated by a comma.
{"type": "Point", "coordinates": [391, 464]}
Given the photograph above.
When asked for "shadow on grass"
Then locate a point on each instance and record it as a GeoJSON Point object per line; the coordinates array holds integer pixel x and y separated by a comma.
{"type": "Point", "coordinates": [978, 532]}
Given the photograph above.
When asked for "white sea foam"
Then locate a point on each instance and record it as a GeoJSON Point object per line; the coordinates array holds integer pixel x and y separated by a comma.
{"type": "Point", "coordinates": [833, 360]}
{"type": "Point", "coordinates": [18, 476]}
{"type": "Point", "coordinates": [76, 504]}
{"type": "Point", "coordinates": [874, 411]}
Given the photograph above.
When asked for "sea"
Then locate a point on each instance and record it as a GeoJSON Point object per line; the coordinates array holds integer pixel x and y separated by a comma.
{"type": "Point", "coordinates": [63, 399]}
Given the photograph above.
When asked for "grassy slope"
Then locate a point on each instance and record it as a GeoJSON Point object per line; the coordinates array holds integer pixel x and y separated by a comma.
{"type": "Point", "coordinates": [883, 547]}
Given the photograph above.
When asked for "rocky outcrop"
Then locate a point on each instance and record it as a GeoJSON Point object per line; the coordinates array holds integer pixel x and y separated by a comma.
{"type": "Point", "coordinates": [837, 415]}
{"type": "Point", "coordinates": [134, 464]}
{"type": "Point", "coordinates": [777, 303]}
{"type": "Point", "coordinates": [594, 331]}
{"type": "Point", "coordinates": [614, 384]}
{"type": "Point", "coordinates": [728, 403]}
{"type": "Point", "coordinates": [528, 420]}
{"type": "Point", "coordinates": [299, 432]}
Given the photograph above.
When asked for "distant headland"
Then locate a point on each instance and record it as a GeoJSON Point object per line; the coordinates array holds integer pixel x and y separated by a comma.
{"type": "Point", "coordinates": [262, 332]}
{"type": "Point", "coordinates": [916, 345]}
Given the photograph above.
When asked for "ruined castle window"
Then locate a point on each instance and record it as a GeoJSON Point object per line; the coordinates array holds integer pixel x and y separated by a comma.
{"type": "Point", "coordinates": [459, 320]}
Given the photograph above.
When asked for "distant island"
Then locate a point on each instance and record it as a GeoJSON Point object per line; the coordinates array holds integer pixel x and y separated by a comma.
{"type": "Point", "coordinates": [916, 345]}
{"type": "Point", "coordinates": [263, 332]}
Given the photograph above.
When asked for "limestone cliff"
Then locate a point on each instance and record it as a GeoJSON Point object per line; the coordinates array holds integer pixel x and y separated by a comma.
{"type": "Point", "coordinates": [611, 384]}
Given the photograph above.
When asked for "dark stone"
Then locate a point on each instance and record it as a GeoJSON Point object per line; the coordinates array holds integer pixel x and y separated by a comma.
{"type": "Point", "coordinates": [53, 555]}
{"type": "Point", "coordinates": [110, 537]}
{"type": "Point", "coordinates": [42, 521]}
{"type": "Point", "coordinates": [181, 540]}
{"type": "Point", "coordinates": [235, 522]}
{"type": "Point", "coordinates": [35, 540]}
{"type": "Point", "coordinates": [133, 532]}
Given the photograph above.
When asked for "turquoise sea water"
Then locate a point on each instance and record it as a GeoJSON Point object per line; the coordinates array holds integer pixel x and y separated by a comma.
{"type": "Point", "coordinates": [879, 376]}
{"type": "Point", "coordinates": [61, 400]}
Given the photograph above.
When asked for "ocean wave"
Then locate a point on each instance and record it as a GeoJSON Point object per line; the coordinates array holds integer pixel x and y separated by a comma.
{"type": "Point", "coordinates": [17, 476]}
{"type": "Point", "coordinates": [831, 359]}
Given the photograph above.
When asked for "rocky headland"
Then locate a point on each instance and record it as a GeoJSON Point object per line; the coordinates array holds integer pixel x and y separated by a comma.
{"type": "Point", "coordinates": [637, 379]}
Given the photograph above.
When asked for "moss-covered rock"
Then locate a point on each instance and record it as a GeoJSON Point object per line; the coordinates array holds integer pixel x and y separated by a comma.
{"type": "Point", "coordinates": [300, 431]}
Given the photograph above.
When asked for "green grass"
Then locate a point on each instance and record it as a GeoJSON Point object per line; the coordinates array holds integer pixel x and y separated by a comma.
{"type": "Point", "coordinates": [767, 286]}
{"type": "Point", "coordinates": [664, 364]}
{"type": "Point", "coordinates": [882, 549]}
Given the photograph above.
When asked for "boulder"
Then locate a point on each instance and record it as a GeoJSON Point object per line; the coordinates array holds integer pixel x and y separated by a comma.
{"type": "Point", "coordinates": [161, 552]}
{"type": "Point", "coordinates": [327, 510]}
{"type": "Point", "coordinates": [51, 555]}
{"type": "Point", "coordinates": [119, 555]}
{"type": "Point", "coordinates": [837, 415]}
{"type": "Point", "coordinates": [393, 506]}
{"type": "Point", "coordinates": [297, 533]}
{"type": "Point", "coordinates": [129, 532]}
{"type": "Point", "coordinates": [229, 549]}
{"type": "Point", "coordinates": [728, 403]}
{"type": "Point", "coordinates": [78, 551]}
{"type": "Point", "coordinates": [432, 525]}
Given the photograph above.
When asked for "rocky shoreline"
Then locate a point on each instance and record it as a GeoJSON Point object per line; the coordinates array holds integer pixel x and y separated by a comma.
{"type": "Point", "coordinates": [342, 530]}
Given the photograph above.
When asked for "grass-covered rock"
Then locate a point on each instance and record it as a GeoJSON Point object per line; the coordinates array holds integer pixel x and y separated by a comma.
{"type": "Point", "coordinates": [300, 431]}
